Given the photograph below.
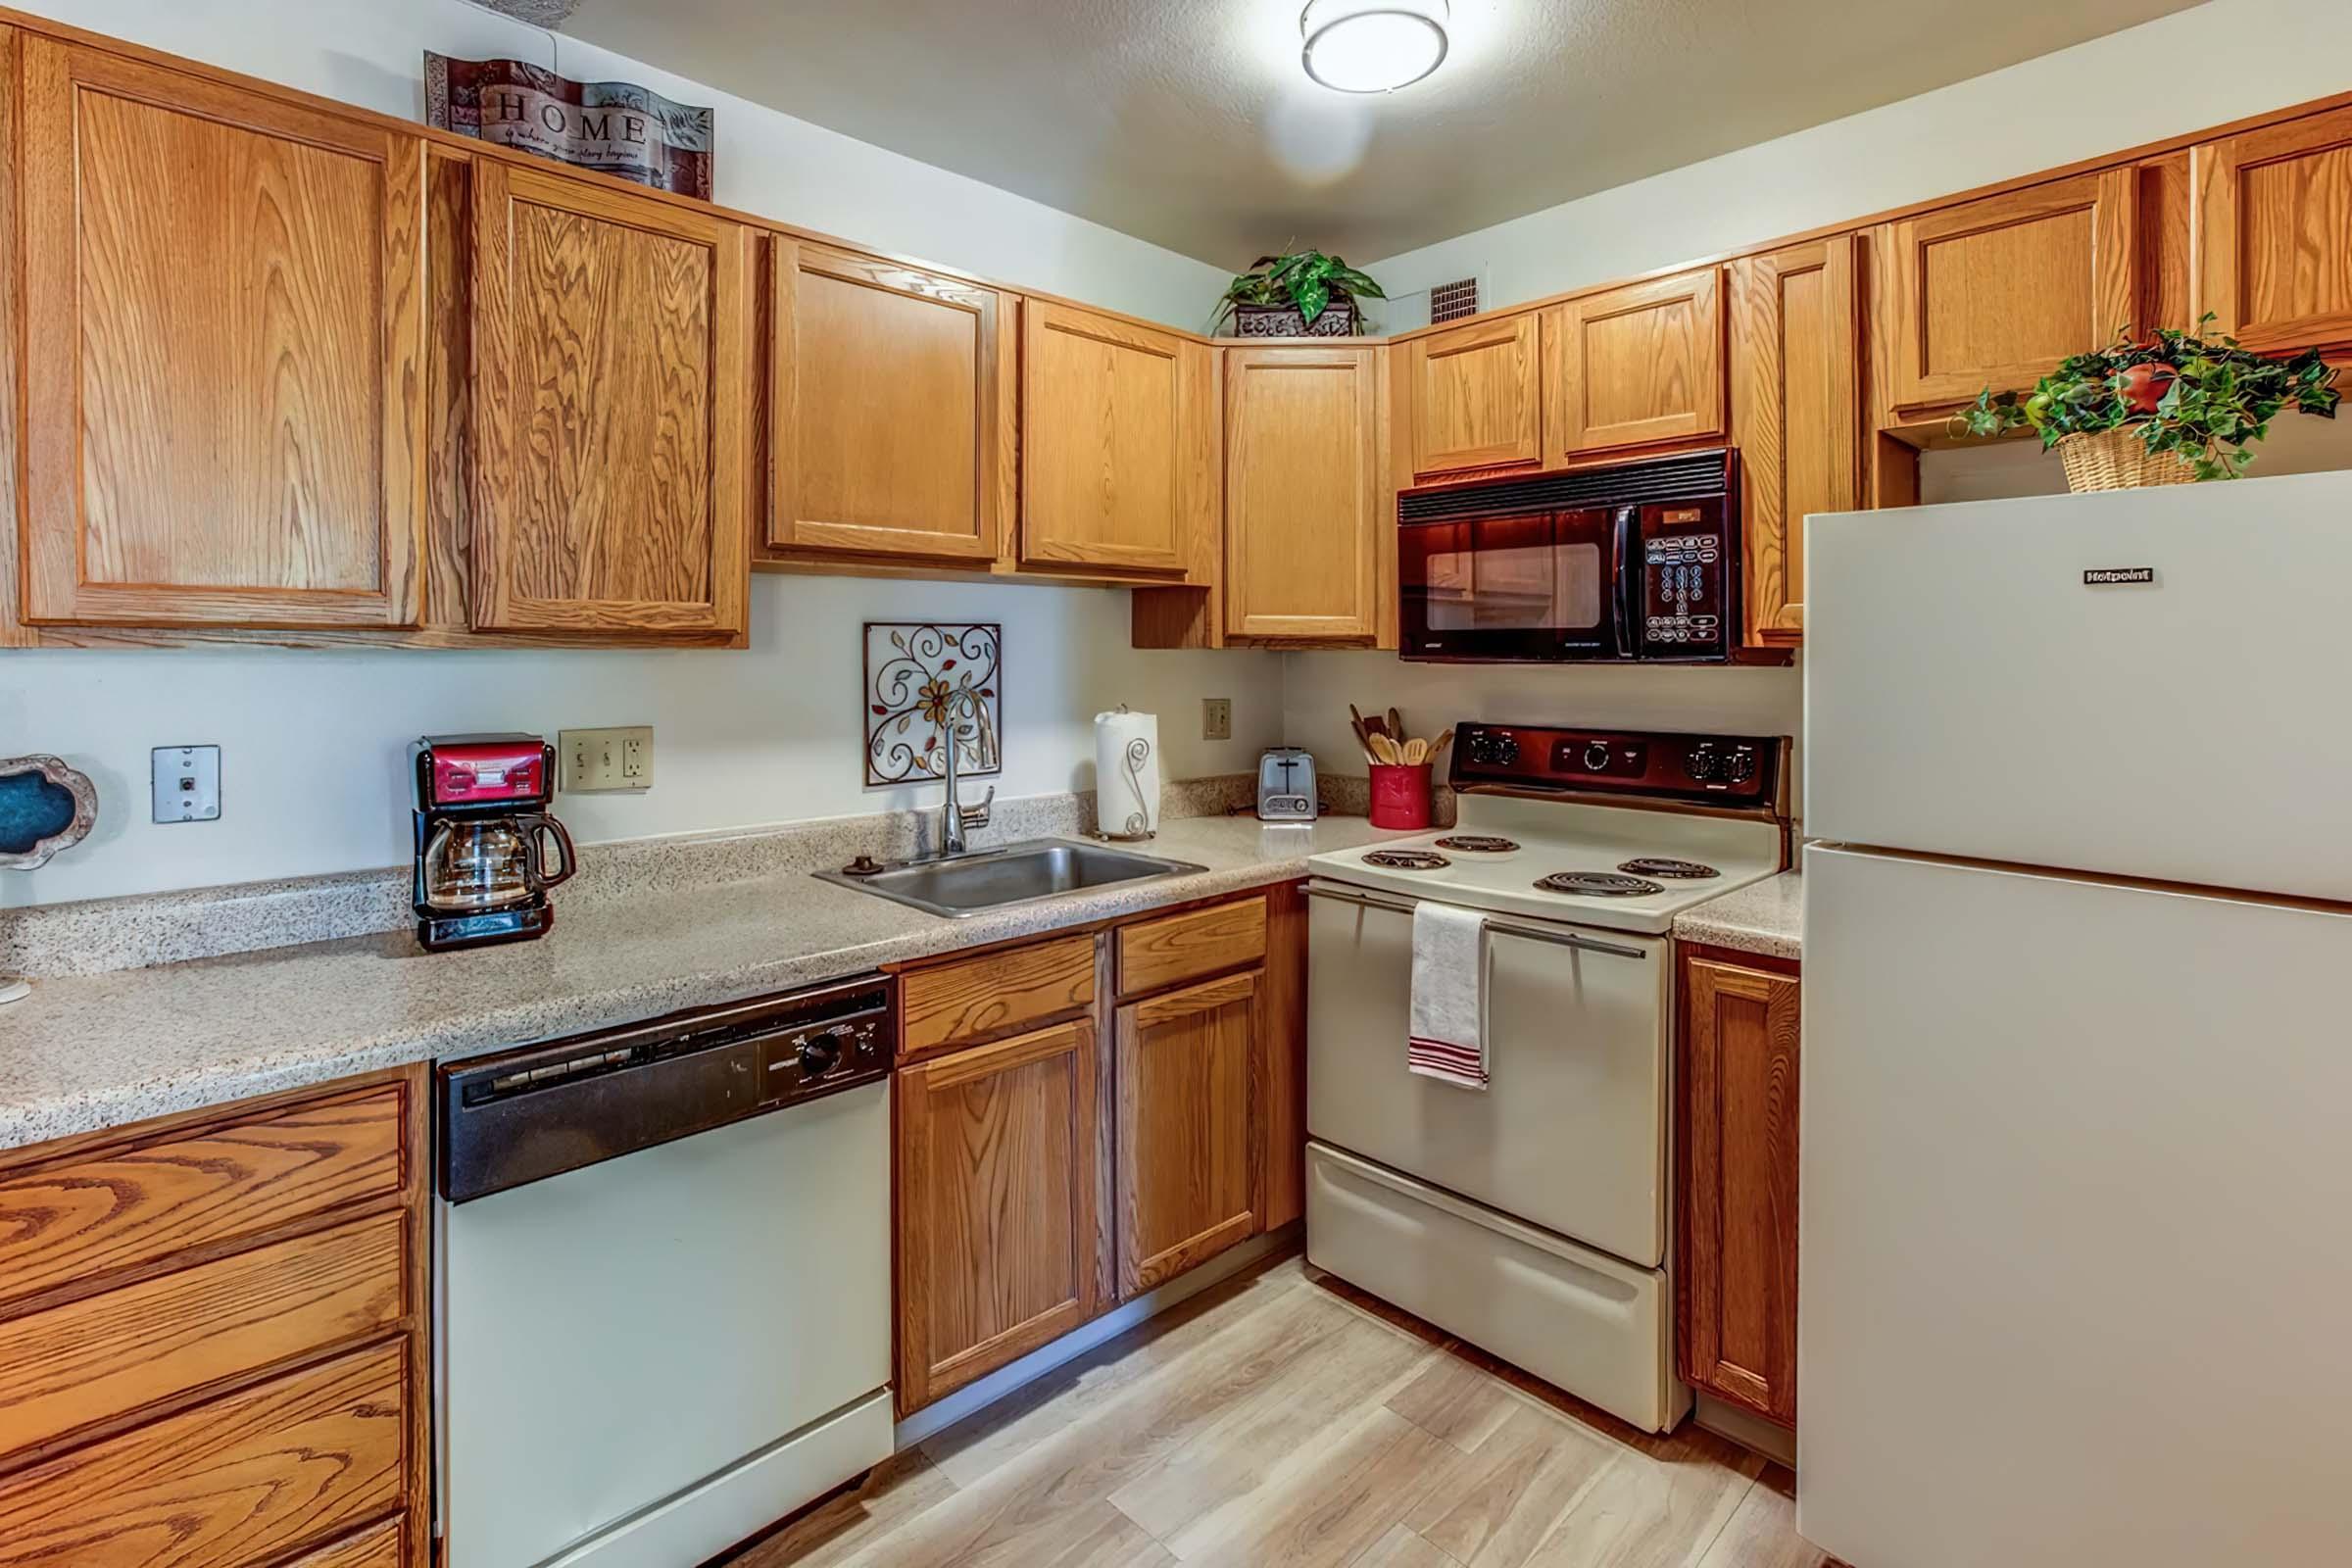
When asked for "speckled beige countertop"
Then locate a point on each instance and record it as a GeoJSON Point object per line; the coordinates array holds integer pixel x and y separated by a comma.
{"type": "Point", "coordinates": [1766, 917]}
{"type": "Point", "coordinates": [87, 1052]}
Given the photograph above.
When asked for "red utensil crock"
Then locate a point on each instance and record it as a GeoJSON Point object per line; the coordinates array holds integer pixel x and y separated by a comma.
{"type": "Point", "coordinates": [1400, 795]}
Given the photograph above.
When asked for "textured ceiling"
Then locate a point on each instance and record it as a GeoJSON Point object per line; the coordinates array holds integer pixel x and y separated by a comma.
{"type": "Point", "coordinates": [1190, 124]}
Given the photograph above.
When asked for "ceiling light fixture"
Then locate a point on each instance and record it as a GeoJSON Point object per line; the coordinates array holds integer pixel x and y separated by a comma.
{"type": "Point", "coordinates": [1372, 45]}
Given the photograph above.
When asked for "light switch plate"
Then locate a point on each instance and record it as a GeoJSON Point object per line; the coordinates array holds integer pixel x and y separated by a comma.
{"type": "Point", "coordinates": [186, 783]}
{"type": "Point", "coordinates": [592, 760]}
{"type": "Point", "coordinates": [1216, 718]}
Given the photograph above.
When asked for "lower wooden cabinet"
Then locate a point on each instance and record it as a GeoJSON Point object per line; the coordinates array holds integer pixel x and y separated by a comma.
{"type": "Point", "coordinates": [1188, 1154]}
{"type": "Point", "coordinates": [998, 1152]}
{"type": "Point", "coordinates": [1736, 1192]}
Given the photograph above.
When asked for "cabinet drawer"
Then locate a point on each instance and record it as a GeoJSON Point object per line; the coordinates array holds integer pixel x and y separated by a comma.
{"type": "Point", "coordinates": [381, 1546]}
{"type": "Point", "coordinates": [119, 1209]}
{"type": "Point", "coordinates": [995, 994]}
{"type": "Point", "coordinates": [1168, 952]}
{"type": "Point", "coordinates": [105, 1355]}
{"type": "Point", "coordinates": [240, 1480]}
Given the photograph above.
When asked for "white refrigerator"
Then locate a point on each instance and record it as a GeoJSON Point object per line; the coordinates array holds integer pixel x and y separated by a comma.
{"type": "Point", "coordinates": [2075, 1198]}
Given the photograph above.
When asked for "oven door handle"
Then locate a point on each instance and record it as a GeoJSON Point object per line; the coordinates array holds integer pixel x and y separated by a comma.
{"type": "Point", "coordinates": [1563, 939]}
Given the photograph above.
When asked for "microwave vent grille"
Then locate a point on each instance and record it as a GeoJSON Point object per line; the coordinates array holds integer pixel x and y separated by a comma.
{"type": "Point", "coordinates": [1685, 476]}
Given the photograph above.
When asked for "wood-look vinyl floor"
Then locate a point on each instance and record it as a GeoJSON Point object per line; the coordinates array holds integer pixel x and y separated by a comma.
{"type": "Point", "coordinates": [1283, 1420]}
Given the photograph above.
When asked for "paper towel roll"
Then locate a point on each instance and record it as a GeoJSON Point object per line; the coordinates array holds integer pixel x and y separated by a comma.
{"type": "Point", "coordinates": [1127, 773]}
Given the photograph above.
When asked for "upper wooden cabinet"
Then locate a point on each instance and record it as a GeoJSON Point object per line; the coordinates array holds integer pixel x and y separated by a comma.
{"type": "Point", "coordinates": [611, 386]}
{"type": "Point", "coordinates": [2272, 255]}
{"type": "Point", "coordinates": [1302, 492]}
{"type": "Point", "coordinates": [1995, 292]}
{"type": "Point", "coordinates": [1475, 396]}
{"type": "Point", "coordinates": [1118, 442]}
{"type": "Point", "coordinates": [1189, 1177]}
{"type": "Point", "coordinates": [892, 396]}
{"type": "Point", "coordinates": [224, 421]}
{"type": "Point", "coordinates": [1634, 366]}
{"type": "Point", "coordinates": [1796, 416]}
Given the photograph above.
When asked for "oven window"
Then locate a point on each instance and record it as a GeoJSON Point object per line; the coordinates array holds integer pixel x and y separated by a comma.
{"type": "Point", "coordinates": [1517, 574]}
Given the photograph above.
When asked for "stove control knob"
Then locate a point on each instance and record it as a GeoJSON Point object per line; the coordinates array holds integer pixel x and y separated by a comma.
{"type": "Point", "coordinates": [819, 1054]}
{"type": "Point", "coordinates": [1596, 756]}
{"type": "Point", "coordinates": [1705, 764]}
{"type": "Point", "coordinates": [1743, 765]}
{"type": "Point", "coordinates": [1494, 748]}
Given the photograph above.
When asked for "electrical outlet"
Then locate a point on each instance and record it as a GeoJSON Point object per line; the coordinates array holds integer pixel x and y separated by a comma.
{"type": "Point", "coordinates": [1216, 718]}
{"type": "Point", "coordinates": [185, 781]}
{"type": "Point", "coordinates": [593, 759]}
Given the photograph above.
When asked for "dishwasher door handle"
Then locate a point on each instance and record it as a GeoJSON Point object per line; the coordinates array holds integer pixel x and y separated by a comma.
{"type": "Point", "coordinates": [1562, 939]}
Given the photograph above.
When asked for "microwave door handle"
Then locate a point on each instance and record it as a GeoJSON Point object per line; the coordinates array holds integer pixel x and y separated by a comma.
{"type": "Point", "coordinates": [1623, 568]}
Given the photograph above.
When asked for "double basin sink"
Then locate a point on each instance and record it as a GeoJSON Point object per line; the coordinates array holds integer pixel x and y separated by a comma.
{"type": "Point", "coordinates": [980, 880]}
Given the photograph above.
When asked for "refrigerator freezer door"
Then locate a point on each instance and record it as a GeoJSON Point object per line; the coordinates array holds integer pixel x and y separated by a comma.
{"type": "Point", "coordinates": [2074, 1255]}
{"type": "Point", "coordinates": [1968, 693]}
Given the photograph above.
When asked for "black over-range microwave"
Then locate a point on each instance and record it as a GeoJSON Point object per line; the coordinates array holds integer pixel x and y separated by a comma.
{"type": "Point", "coordinates": [1635, 561]}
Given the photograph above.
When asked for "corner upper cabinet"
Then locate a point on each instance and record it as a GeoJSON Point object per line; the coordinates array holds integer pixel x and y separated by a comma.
{"type": "Point", "coordinates": [224, 345]}
{"type": "Point", "coordinates": [1302, 492]}
{"type": "Point", "coordinates": [612, 385]}
{"type": "Point", "coordinates": [1634, 366]}
{"type": "Point", "coordinates": [1796, 416]}
{"type": "Point", "coordinates": [1118, 443]}
{"type": "Point", "coordinates": [1995, 292]}
{"type": "Point", "coordinates": [1474, 397]}
{"type": "Point", "coordinates": [893, 397]}
{"type": "Point", "coordinates": [2273, 257]}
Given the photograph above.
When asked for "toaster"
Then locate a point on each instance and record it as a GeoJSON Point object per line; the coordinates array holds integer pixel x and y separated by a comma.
{"type": "Point", "coordinates": [1286, 785]}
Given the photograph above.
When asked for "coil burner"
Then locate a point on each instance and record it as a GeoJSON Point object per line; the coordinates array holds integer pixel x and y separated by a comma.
{"type": "Point", "coordinates": [1478, 844]}
{"type": "Point", "coordinates": [1598, 885]}
{"type": "Point", "coordinates": [1672, 871]}
{"type": "Point", "coordinates": [1406, 861]}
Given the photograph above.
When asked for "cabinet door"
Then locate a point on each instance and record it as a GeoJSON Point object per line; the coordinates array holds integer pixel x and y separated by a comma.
{"type": "Point", "coordinates": [1118, 436]}
{"type": "Point", "coordinates": [1738, 1187]}
{"type": "Point", "coordinates": [1995, 292]}
{"type": "Point", "coordinates": [1189, 1177]}
{"type": "Point", "coordinates": [1476, 396]}
{"type": "Point", "coordinates": [1635, 365]}
{"type": "Point", "coordinates": [1796, 416]}
{"type": "Point", "coordinates": [611, 389]}
{"type": "Point", "coordinates": [2273, 245]}
{"type": "Point", "coordinates": [222, 299]}
{"type": "Point", "coordinates": [892, 409]}
{"type": "Point", "coordinates": [1301, 492]}
{"type": "Point", "coordinates": [998, 1158]}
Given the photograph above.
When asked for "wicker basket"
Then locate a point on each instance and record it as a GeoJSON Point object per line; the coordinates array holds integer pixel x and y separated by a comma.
{"type": "Point", "coordinates": [2118, 460]}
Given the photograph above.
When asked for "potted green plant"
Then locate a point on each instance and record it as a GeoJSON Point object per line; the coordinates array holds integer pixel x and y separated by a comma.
{"type": "Point", "coordinates": [2179, 410]}
{"type": "Point", "coordinates": [1300, 294]}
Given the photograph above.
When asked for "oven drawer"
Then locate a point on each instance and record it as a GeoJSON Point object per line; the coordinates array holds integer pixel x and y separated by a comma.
{"type": "Point", "coordinates": [1578, 1319]}
{"type": "Point", "coordinates": [1572, 1133]}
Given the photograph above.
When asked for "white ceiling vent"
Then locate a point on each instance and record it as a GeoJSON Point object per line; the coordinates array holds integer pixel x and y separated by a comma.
{"type": "Point", "coordinates": [1450, 302]}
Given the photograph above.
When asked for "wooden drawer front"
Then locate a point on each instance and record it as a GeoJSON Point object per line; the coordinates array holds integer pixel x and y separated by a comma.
{"type": "Point", "coordinates": [381, 1546]}
{"type": "Point", "coordinates": [134, 1205]}
{"type": "Point", "coordinates": [109, 1354]}
{"type": "Point", "coordinates": [238, 1481]}
{"type": "Point", "coordinates": [995, 994]}
{"type": "Point", "coordinates": [1156, 953]}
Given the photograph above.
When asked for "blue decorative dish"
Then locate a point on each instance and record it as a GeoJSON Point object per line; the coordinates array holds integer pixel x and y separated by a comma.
{"type": "Point", "coordinates": [45, 807]}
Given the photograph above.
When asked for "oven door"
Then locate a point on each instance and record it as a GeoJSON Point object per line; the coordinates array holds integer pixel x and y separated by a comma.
{"type": "Point", "coordinates": [1538, 586]}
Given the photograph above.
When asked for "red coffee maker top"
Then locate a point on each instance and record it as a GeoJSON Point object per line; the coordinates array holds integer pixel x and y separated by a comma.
{"type": "Point", "coordinates": [483, 769]}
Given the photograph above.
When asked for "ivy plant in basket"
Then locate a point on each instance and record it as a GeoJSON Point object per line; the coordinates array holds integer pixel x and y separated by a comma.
{"type": "Point", "coordinates": [1287, 295]}
{"type": "Point", "coordinates": [2182, 409]}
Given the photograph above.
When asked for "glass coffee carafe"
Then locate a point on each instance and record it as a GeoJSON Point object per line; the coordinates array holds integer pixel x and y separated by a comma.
{"type": "Point", "coordinates": [478, 863]}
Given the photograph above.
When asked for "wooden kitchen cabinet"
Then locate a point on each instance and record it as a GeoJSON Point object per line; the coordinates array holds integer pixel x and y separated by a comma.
{"type": "Point", "coordinates": [999, 1155]}
{"type": "Point", "coordinates": [1303, 502]}
{"type": "Point", "coordinates": [1635, 365]}
{"type": "Point", "coordinates": [1796, 416]}
{"type": "Point", "coordinates": [1995, 292]}
{"type": "Point", "coordinates": [1189, 1172]}
{"type": "Point", "coordinates": [893, 397]}
{"type": "Point", "coordinates": [611, 391]}
{"type": "Point", "coordinates": [1736, 1192]}
{"type": "Point", "coordinates": [222, 340]}
{"type": "Point", "coordinates": [2273, 254]}
{"type": "Point", "coordinates": [1474, 397]}
{"type": "Point", "coordinates": [1118, 442]}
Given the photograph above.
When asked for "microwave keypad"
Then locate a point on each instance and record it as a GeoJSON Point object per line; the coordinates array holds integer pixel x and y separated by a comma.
{"type": "Point", "coordinates": [1685, 577]}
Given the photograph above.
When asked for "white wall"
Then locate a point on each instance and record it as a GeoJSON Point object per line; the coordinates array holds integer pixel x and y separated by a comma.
{"type": "Point", "coordinates": [312, 774]}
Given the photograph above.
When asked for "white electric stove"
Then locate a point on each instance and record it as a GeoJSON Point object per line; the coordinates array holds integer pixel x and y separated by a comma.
{"type": "Point", "coordinates": [1529, 1218]}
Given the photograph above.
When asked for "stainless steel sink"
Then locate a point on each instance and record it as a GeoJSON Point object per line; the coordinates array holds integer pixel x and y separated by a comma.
{"type": "Point", "coordinates": [960, 885]}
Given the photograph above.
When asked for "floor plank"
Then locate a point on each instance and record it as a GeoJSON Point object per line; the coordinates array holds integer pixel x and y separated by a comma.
{"type": "Point", "coordinates": [1762, 1534]}
{"type": "Point", "coordinates": [1334, 1504]}
{"type": "Point", "coordinates": [892, 1493]}
{"type": "Point", "coordinates": [1499, 1502]}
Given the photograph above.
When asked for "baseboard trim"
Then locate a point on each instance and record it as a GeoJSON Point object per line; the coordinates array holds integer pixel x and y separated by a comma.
{"type": "Point", "coordinates": [1747, 1429]}
{"type": "Point", "coordinates": [937, 1417]}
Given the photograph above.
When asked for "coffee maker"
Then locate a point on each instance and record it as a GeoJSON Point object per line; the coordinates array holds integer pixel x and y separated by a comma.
{"type": "Point", "coordinates": [482, 870]}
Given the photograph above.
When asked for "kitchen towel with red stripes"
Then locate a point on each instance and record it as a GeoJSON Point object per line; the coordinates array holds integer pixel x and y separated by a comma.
{"type": "Point", "coordinates": [1449, 1029]}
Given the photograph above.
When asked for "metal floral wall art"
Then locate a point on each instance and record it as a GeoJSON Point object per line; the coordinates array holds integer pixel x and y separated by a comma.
{"type": "Point", "coordinates": [930, 684]}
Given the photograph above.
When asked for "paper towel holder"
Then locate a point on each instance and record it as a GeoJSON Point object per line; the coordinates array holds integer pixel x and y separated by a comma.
{"type": "Point", "coordinates": [1111, 795]}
